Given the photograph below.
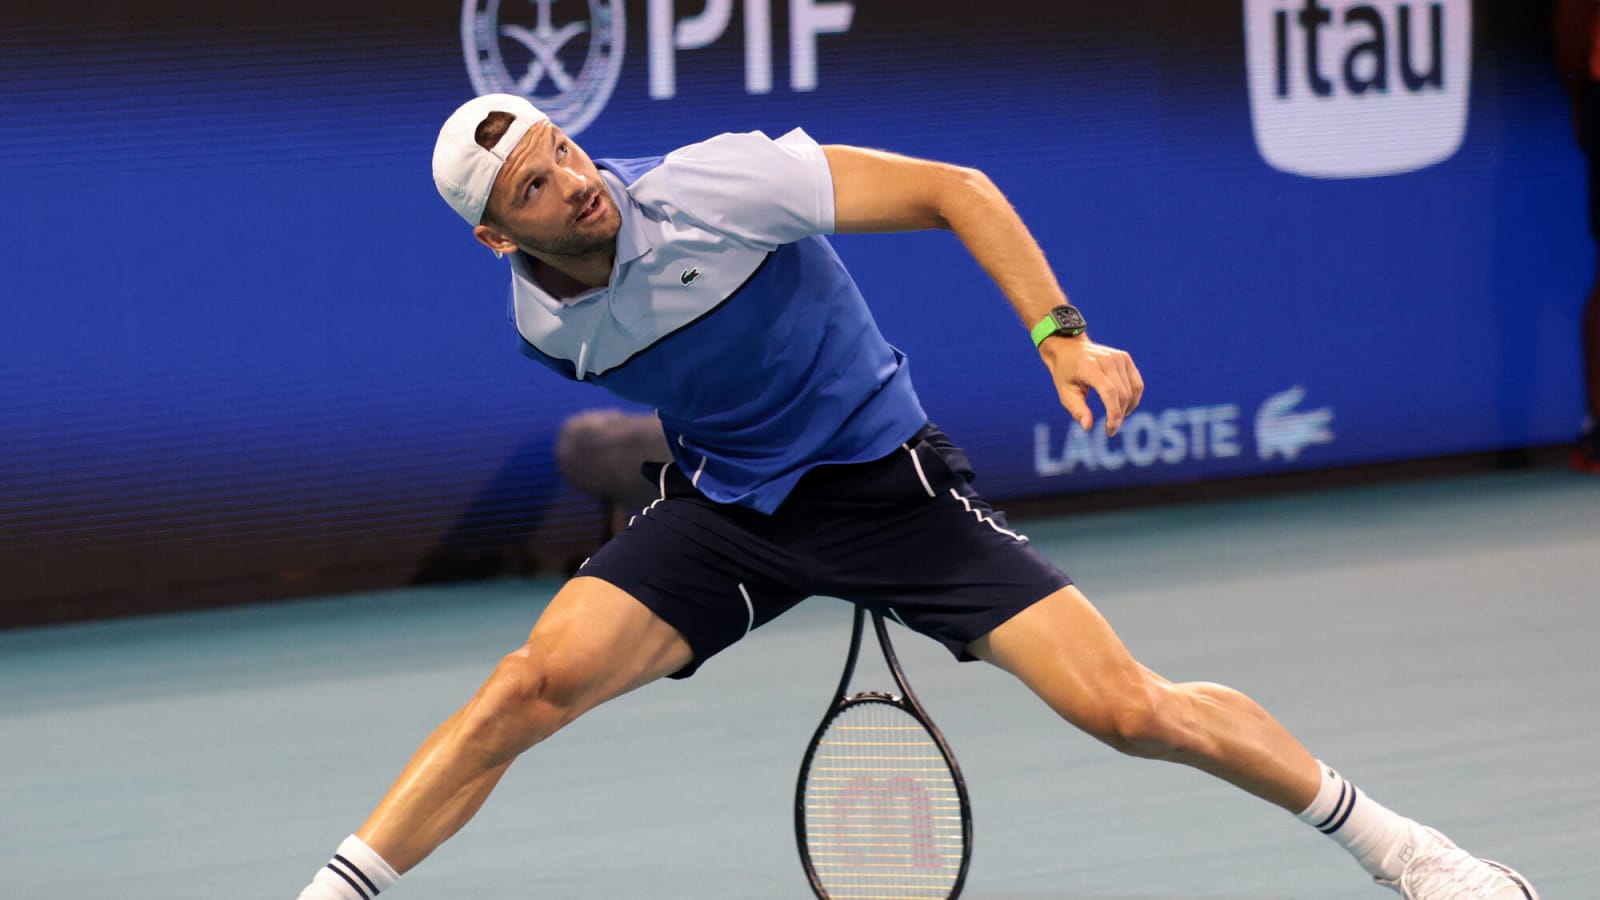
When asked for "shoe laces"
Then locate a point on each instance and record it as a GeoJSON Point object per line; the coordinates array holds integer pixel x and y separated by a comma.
{"type": "Point", "coordinates": [1453, 874]}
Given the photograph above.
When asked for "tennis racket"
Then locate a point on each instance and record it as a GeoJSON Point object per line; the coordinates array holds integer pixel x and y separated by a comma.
{"type": "Point", "coordinates": [881, 809]}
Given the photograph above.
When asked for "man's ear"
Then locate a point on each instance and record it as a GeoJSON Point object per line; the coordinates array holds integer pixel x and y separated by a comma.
{"type": "Point", "coordinates": [494, 239]}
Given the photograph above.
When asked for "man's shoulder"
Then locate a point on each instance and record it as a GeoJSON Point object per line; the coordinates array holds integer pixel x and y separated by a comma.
{"type": "Point", "coordinates": [630, 170]}
{"type": "Point", "coordinates": [742, 185]}
{"type": "Point", "coordinates": [738, 145]}
{"type": "Point", "coordinates": [736, 149]}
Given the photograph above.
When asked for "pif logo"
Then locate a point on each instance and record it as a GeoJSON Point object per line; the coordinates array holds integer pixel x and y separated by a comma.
{"type": "Point", "coordinates": [1354, 90]}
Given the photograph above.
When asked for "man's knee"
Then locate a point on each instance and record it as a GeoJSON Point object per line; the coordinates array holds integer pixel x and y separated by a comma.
{"type": "Point", "coordinates": [528, 698]}
{"type": "Point", "coordinates": [1149, 719]}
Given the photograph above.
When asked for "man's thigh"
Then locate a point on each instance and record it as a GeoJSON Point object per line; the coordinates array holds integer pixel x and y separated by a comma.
{"type": "Point", "coordinates": [938, 557]}
{"type": "Point", "coordinates": [1066, 652]}
{"type": "Point", "coordinates": [601, 642]}
{"type": "Point", "coordinates": [700, 568]}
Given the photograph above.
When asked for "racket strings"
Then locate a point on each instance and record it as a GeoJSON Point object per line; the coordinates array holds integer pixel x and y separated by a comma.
{"type": "Point", "coordinates": [882, 809]}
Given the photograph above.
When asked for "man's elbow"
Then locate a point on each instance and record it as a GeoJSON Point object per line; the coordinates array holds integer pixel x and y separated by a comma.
{"type": "Point", "coordinates": [964, 187]}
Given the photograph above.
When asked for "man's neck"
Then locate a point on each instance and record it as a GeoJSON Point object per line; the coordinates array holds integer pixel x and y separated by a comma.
{"type": "Point", "coordinates": [568, 276]}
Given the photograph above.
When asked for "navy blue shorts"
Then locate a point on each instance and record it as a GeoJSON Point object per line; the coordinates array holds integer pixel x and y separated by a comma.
{"type": "Point", "coordinates": [906, 535]}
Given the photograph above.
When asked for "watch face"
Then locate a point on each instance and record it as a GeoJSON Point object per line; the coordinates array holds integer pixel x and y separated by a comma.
{"type": "Point", "coordinates": [1068, 318]}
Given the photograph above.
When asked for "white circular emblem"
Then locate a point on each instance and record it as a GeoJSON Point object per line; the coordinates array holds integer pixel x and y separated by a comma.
{"type": "Point", "coordinates": [533, 58]}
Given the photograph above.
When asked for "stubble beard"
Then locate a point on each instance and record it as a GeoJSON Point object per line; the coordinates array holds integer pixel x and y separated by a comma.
{"type": "Point", "coordinates": [576, 245]}
{"type": "Point", "coordinates": [572, 246]}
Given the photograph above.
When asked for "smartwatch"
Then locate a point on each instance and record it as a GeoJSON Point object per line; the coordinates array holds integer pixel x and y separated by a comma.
{"type": "Point", "coordinates": [1063, 320]}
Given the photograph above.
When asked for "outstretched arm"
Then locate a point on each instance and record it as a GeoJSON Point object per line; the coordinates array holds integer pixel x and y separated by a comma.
{"type": "Point", "coordinates": [877, 191]}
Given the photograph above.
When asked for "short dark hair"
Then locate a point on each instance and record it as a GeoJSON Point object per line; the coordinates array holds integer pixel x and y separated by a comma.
{"type": "Point", "coordinates": [489, 132]}
{"type": "Point", "coordinates": [492, 129]}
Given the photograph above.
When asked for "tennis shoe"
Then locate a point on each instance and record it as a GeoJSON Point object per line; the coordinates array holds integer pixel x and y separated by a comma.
{"type": "Point", "coordinates": [1437, 869]}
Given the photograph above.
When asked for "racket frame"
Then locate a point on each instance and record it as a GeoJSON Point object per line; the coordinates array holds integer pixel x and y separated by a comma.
{"type": "Point", "coordinates": [907, 701]}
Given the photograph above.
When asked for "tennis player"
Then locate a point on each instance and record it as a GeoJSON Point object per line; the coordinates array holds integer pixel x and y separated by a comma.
{"type": "Point", "coordinates": [699, 283]}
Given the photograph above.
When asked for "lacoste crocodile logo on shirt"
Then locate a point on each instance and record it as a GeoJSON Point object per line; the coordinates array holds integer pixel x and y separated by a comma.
{"type": "Point", "coordinates": [689, 275]}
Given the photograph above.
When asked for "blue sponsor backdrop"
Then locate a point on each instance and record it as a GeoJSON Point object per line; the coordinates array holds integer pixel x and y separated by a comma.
{"type": "Point", "coordinates": [244, 335]}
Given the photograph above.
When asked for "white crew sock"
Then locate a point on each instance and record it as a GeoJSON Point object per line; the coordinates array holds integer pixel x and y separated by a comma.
{"type": "Point", "coordinates": [1373, 834]}
{"type": "Point", "coordinates": [356, 872]}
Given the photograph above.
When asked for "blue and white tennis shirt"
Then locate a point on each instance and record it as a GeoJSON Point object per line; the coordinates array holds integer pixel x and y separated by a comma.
{"type": "Point", "coordinates": [730, 315]}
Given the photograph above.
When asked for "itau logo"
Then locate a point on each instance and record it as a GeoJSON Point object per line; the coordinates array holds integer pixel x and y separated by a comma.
{"type": "Point", "coordinates": [1355, 90]}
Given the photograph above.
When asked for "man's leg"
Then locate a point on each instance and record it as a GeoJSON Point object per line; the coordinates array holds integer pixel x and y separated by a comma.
{"type": "Point", "coordinates": [594, 642]}
{"type": "Point", "coordinates": [1065, 652]}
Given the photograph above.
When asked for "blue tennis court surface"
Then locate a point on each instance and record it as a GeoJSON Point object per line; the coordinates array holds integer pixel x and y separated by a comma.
{"type": "Point", "coordinates": [1436, 641]}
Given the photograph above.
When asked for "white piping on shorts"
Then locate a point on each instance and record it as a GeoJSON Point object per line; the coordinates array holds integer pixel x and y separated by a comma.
{"type": "Point", "coordinates": [986, 520]}
{"type": "Point", "coordinates": [583, 357]}
{"type": "Point", "coordinates": [749, 607]}
{"type": "Point", "coordinates": [921, 476]}
{"type": "Point", "coordinates": [896, 616]}
{"type": "Point", "coordinates": [694, 479]}
{"type": "Point", "coordinates": [655, 501]}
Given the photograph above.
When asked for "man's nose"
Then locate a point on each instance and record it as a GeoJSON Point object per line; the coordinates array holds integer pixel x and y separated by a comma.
{"type": "Point", "coordinates": [573, 184]}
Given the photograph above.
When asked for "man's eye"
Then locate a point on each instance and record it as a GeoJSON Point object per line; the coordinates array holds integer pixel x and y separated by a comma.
{"type": "Point", "coordinates": [533, 186]}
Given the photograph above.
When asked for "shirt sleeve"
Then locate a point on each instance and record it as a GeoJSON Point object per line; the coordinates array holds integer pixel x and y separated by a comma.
{"type": "Point", "coordinates": [748, 186]}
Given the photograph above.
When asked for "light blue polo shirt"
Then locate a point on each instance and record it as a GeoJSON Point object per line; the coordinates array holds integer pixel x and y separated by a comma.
{"type": "Point", "coordinates": [729, 313]}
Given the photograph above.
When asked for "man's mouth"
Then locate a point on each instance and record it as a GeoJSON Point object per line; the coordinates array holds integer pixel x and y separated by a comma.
{"type": "Point", "coordinates": [589, 209]}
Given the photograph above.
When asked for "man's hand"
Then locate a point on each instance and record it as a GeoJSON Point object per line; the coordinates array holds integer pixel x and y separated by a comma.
{"type": "Point", "coordinates": [1079, 365]}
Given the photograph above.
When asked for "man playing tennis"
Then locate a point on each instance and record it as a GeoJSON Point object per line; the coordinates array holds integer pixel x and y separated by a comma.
{"type": "Point", "coordinates": [699, 284]}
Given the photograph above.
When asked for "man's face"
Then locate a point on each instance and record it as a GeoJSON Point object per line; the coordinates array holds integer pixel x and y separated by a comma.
{"type": "Point", "coordinates": [548, 198]}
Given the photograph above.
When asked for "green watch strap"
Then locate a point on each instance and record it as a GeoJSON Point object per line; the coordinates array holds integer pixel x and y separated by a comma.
{"type": "Point", "coordinates": [1050, 327]}
{"type": "Point", "coordinates": [1045, 328]}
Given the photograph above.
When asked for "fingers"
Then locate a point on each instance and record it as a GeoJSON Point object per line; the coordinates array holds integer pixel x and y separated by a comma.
{"type": "Point", "coordinates": [1077, 405]}
{"type": "Point", "coordinates": [1076, 399]}
{"type": "Point", "coordinates": [1108, 372]}
{"type": "Point", "coordinates": [1118, 383]}
{"type": "Point", "coordinates": [1130, 386]}
{"type": "Point", "coordinates": [1119, 400]}
{"type": "Point", "coordinates": [1110, 381]}
{"type": "Point", "coordinates": [1137, 382]}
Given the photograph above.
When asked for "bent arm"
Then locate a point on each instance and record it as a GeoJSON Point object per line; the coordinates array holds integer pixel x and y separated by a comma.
{"type": "Point", "coordinates": [878, 191]}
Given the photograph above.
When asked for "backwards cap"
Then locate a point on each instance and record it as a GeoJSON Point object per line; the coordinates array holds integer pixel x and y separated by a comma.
{"type": "Point", "coordinates": [464, 171]}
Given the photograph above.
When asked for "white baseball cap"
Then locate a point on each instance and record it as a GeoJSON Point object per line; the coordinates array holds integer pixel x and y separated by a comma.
{"type": "Point", "coordinates": [464, 171]}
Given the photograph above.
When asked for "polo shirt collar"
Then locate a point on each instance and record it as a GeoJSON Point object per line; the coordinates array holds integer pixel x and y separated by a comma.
{"type": "Point", "coordinates": [633, 238]}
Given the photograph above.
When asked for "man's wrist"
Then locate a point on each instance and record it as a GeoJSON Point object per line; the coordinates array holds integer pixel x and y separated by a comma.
{"type": "Point", "coordinates": [1062, 321]}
